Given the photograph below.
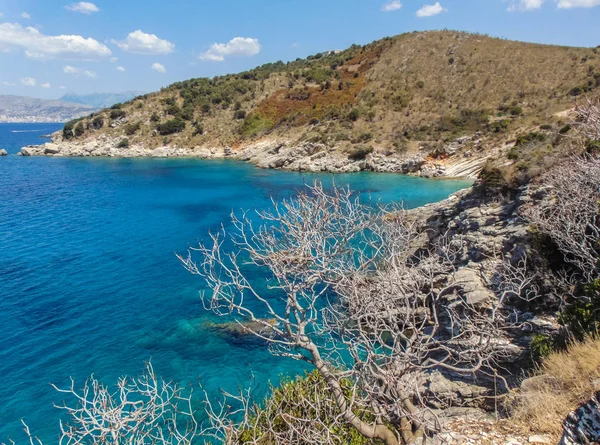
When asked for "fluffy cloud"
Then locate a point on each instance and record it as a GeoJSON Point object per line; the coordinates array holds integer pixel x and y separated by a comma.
{"type": "Point", "coordinates": [83, 8]}
{"type": "Point", "coordinates": [122, 69]}
{"type": "Point", "coordinates": [46, 85]}
{"type": "Point", "coordinates": [525, 5]}
{"type": "Point", "coordinates": [29, 81]}
{"type": "Point", "coordinates": [40, 46]}
{"type": "Point", "coordinates": [68, 69]}
{"type": "Point", "coordinates": [25, 16]}
{"type": "Point", "coordinates": [392, 6]}
{"type": "Point", "coordinates": [430, 10]}
{"type": "Point", "coordinates": [141, 43]}
{"type": "Point", "coordinates": [238, 46]}
{"type": "Point", "coordinates": [530, 5]}
{"type": "Point", "coordinates": [159, 68]}
{"type": "Point", "coordinates": [62, 87]}
{"type": "Point", "coordinates": [8, 84]}
{"type": "Point", "coordinates": [567, 4]}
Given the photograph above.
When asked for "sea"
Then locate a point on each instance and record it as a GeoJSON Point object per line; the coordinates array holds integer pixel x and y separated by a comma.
{"type": "Point", "coordinates": [90, 282]}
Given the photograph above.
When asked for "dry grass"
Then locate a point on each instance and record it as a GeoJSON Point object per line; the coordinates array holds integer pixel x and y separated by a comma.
{"type": "Point", "coordinates": [563, 382]}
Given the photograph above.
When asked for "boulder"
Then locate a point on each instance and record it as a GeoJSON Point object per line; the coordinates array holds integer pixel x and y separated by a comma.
{"type": "Point", "coordinates": [51, 149]}
{"type": "Point", "coordinates": [26, 151]}
{"type": "Point", "coordinates": [445, 393]}
{"type": "Point", "coordinates": [472, 286]}
{"type": "Point", "coordinates": [3, 152]}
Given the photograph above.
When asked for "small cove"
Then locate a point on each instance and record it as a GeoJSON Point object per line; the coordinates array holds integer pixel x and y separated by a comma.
{"type": "Point", "coordinates": [89, 281]}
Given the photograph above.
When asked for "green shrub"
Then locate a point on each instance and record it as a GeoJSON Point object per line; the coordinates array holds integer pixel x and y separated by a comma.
{"type": "Point", "coordinates": [132, 128]}
{"type": "Point", "coordinates": [79, 129]}
{"type": "Point", "coordinates": [239, 115]}
{"type": "Point", "coordinates": [175, 125]}
{"type": "Point", "coordinates": [582, 317]}
{"type": "Point", "coordinates": [97, 123]}
{"type": "Point", "coordinates": [198, 129]}
{"type": "Point", "coordinates": [123, 143]}
{"type": "Point", "coordinates": [420, 84]}
{"type": "Point", "coordinates": [592, 147]}
{"type": "Point", "coordinates": [530, 138]}
{"type": "Point", "coordinates": [117, 114]}
{"type": "Point", "coordinates": [68, 129]}
{"type": "Point", "coordinates": [155, 117]}
{"type": "Point", "coordinates": [546, 127]}
{"type": "Point", "coordinates": [255, 124]}
{"type": "Point", "coordinates": [353, 115]}
{"type": "Point", "coordinates": [116, 107]}
{"type": "Point", "coordinates": [516, 111]}
{"type": "Point", "coordinates": [360, 153]}
{"type": "Point", "coordinates": [500, 125]}
{"type": "Point", "coordinates": [565, 129]}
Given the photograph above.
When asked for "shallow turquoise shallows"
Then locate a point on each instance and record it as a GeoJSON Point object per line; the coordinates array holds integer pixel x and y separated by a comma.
{"type": "Point", "coordinates": [89, 281]}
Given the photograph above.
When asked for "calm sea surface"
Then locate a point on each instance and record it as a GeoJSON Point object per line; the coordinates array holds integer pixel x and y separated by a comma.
{"type": "Point", "coordinates": [89, 281]}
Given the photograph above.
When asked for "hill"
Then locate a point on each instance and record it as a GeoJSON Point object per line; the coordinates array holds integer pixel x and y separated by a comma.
{"type": "Point", "coordinates": [396, 100]}
{"type": "Point", "coordinates": [28, 109]}
{"type": "Point", "coordinates": [100, 100]}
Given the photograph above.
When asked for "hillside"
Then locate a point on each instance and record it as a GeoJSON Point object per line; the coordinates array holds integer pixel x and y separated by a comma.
{"type": "Point", "coordinates": [100, 100]}
{"type": "Point", "coordinates": [397, 102]}
{"type": "Point", "coordinates": [28, 109]}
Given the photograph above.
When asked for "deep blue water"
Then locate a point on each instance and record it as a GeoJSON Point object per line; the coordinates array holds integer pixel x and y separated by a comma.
{"type": "Point", "coordinates": [88, 277]}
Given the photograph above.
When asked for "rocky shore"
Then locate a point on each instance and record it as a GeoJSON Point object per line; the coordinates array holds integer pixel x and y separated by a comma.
{"type": "Point", "coordinates": [278, 154]}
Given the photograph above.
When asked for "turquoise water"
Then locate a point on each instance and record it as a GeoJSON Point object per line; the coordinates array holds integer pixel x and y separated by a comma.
{"type": "Point", "coordinates": [89, 281]}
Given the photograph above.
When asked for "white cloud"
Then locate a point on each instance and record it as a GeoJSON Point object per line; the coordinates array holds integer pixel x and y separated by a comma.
{"type": "Point", "coordinates": [141, 43]}
{"type": "Point", "coordinates": [525, 5]}
{"type": "Point", "coordinates": [567, 4]}
{"type": "Point", "coordinates": [8, 84]}
{"type": "Point", "coordinates": [62, 87]}
{"type": "Point", "coordinates": [40, 46]}
{"type": "Point", "coordinates": [238, 46]}
{"type": "Point", "coordinates": [430, 10]}
{"type": "Point", "coordinates": [25, 15]}
{"type": "Point", "coordinates": [46, 85]}
{"type": "Point", "coordinates": [122, 69]}
{"type": "Point", "coordinates": [113, 59]}
{"type": "Point", "coordinates": [392, 6]}
{"type": "Point", "coordinates": [159, 68]}
{"type": "Point", "coordinates": [29, 81]}
{"type": "Point", "coordinates": [68, 69]}
{"type": "Point", "coordinates": [83, 8]}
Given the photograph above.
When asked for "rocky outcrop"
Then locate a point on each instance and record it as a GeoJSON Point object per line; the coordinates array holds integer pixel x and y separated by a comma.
{"type": "Point", "coordinates": [3, 152]}
{"type": "Point", "coordinates": [274, 154]}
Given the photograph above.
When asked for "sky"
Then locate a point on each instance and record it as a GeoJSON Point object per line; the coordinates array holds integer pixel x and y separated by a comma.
{"type": "Point", "coordinates": [50, 47]}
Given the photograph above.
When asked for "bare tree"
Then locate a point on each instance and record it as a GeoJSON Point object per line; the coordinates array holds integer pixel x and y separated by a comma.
{"type": "Point", "coordinates": [140, 411]}
{"type": "Point", "coordinates": [588, 119]}
{"type": "Point", "coordinates": [345, 293]}
{"type": "Point", "coordinates": [571, 217]}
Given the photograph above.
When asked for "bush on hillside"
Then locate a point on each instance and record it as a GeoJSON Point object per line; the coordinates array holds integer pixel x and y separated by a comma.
{"type": "Point", "coordinates": [132, 128]}
{"type": "Point", "coordinates": [176, 125]}
{"type": "Point", "coordinates": [360, 153]}
{"type": "Point", "coordinates": [79, 129]}
{"type": "Point", "coordinates": [123, 143]}
{"type": "Point", "coordinates": [117, 114]}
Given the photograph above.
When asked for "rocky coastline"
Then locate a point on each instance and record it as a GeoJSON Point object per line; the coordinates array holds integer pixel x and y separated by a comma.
{"type": "Point", "coordinates": [279, 154]}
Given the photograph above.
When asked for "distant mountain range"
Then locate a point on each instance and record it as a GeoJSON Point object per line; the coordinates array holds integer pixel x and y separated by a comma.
{"type": "Point", "coordinates": [100, 100]}
{"type": "Point", "coordinates": [29, 109]}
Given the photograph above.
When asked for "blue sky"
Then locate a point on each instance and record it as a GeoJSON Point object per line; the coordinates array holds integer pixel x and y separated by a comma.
{"type": "Point", "coordinates": [48, 47]}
